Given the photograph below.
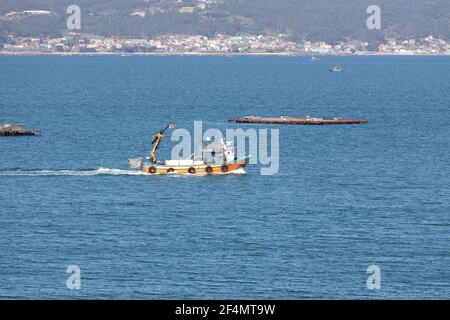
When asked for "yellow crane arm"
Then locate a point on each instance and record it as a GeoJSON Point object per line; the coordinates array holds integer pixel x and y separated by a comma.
{"type": "Point", "coordinates": [157, 142]}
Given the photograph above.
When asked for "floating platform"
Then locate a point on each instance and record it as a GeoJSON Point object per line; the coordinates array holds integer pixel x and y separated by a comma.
{"type": "Point", "coordinates": [7, 130]}
{"type": "Point", "coordinates": [301, 121]}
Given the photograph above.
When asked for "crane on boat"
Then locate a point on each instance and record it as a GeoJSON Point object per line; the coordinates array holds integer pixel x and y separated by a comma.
{"type": "Point", "coordinates": [157, 138]}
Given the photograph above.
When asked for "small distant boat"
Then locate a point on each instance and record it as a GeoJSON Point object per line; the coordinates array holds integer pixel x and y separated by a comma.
{"type": "Point", "coordinates": [216, 158]}
{"type": "Point", "coordinates": [336, 69]}
{"type": "Point", "coordinates": [315, 59]}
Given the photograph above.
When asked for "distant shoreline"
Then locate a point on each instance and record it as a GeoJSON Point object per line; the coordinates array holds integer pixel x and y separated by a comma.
{"type": "Point", "coordinates": [280, 54]}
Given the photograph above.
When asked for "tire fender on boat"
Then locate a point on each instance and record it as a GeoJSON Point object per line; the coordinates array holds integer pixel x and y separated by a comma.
{"type": "Point", "coordinates": [170, 170]}
{"type": "Point", "coordinates": [152, 170]}
{"type": "Point", "coordinates": [191, 170]}
{"type": "Point", "coordinates": [208, 169]}
{"type": "Point", "coordinates": [224, 168]}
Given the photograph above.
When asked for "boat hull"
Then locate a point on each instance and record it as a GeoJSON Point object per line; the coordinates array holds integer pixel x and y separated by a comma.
{"type": "Point", "coordinates": [205, 169]}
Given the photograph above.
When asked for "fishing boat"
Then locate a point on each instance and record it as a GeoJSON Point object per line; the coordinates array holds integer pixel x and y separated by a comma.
{"type": "Point", "coordinates": [336, 69]}
{"type": "Point", "coordinates": [217, 158]}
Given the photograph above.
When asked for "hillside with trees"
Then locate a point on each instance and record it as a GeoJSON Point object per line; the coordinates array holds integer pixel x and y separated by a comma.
{"type": "Point", "coordinates": [327, 20]}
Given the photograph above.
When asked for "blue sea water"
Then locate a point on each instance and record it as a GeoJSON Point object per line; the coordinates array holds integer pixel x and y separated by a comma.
{"type": "Point", "coordinates": [345, 197]}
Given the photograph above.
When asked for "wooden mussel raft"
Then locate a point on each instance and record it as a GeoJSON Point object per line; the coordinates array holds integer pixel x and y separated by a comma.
{"type": "Point", "coordinates": [11, 130]}
{"type": "Point", "coordinates": [217, 158]}
{"type": "Point", "coordinates": [300, 121]}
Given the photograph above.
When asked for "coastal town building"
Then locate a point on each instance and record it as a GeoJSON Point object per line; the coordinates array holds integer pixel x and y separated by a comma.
{"type": "Point", "coordinates": [73, 42]}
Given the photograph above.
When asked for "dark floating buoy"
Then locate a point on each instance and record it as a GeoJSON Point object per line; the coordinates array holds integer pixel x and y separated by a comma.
{"type": "Point", "coordinates": [11, 130]}
{"type": "Point", "coordinates": [301, 121]}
